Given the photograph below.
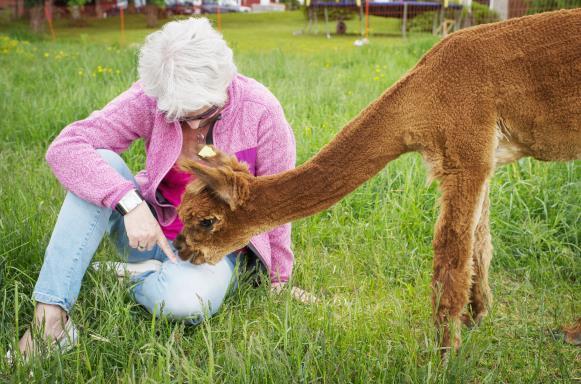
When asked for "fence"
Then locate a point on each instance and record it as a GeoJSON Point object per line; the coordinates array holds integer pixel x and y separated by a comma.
{"type": "Point", "coordinates": [436, 16]}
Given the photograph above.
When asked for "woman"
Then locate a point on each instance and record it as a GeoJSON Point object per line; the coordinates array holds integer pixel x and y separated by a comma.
{"type": "Point", "coordinates": [188, 93]}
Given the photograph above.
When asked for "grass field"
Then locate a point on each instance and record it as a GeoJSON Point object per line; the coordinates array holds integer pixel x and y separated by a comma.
{"type": "Point", "coordinates": [368, 258]}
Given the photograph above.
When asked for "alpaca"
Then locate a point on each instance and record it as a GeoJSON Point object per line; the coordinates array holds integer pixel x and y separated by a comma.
{"type": "Point", "coordinates": [480, 98]}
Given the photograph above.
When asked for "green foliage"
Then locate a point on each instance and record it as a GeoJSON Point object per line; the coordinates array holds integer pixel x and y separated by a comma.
{"type": "Point", "coordinates": [77, 2]}
{"type": "Point", "coordinates": [332, 13]}
{"type": "Point", "coordinates": [481, 14]}
{"type": "Point", "coordinates": [291, 5]}
{"type": "Point", "coordinates": [423, 22]}
{"type": "Point", "coordinates": [33, 3]}
{"type": "Point", "coordinates": [537, 6]}
{"type": "Point", "coordinates": [157, 3]}
{"type": "Point", "coordinates": [368, 258]}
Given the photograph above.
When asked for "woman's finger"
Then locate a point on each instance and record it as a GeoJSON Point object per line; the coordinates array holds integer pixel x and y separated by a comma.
{"type": "Point", "coordinates": [166, 248]}
{"type": "Point", "coordinates": [133, 243]}
{"type": "Point", "coordinates": [150, 246]}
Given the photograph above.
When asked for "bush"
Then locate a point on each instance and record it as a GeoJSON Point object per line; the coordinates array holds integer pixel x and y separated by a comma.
{"type": "Point", "coordinates": [79, 3]}
{"type": "Point", "coordinates": [158, 3]}
{"type": "Point", "coordinates": [333, 13]}
{"type": "Point", "coordinates": [538, 6]}
{"type": "Point", "coordinates": [422, 22]}
{"type": "Point", "coordinates": [291, 5]}
{"type": "Point", "coordinates": [481, 14]}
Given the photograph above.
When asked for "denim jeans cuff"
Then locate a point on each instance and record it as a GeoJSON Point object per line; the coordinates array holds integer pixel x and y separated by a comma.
{"type": "Point", "coordinates": [50, 299]}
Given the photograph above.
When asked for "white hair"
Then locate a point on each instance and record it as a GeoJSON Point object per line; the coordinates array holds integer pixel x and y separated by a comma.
{"type": "Point", "coordinates": [186, 66]}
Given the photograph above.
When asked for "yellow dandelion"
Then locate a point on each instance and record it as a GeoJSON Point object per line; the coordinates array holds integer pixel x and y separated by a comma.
{"type": "Point", "coordinates": [117, 71]}
{"type": "Point", "coordinates": [81, 73]}
{"type": "Point", "coordinates": [376, 78]}
{"type": "Point", "coordinates": [46, 54]}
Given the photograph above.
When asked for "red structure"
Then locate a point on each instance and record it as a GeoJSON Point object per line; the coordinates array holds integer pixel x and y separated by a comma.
{"type": "Point", "coordinates": [248, 3]}
{"type": "Point", "coordinates": [16, 5]}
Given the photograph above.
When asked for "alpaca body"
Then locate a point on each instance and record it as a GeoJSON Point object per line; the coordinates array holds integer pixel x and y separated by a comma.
{"type": "Point", "coordinates": [480, 98]}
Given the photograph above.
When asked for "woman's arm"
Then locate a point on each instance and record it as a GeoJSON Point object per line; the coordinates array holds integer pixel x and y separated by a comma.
{"type": "Point", "coordinates": [73, 158]}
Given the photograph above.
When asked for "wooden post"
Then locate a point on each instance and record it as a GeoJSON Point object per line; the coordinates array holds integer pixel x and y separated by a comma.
{"type": "Point", "coordinates": [316, 10]}
{"type": "Point", "coordinates": [366, 19]}
{"type": "Point", "coordinates": [48, 15]}
{"type": "Point", "coordinates": [435, 24]}
{"type": "Point", "coordinates": [122, 19]}
{"type": "Point", "coordinates": [310, 24]}
{"type": "Point", "coordinates": [404, 20]}
{"type": "Point", "coordinates": [361, 18]}
{"type": "Point", "coordinates": [442, 17]}
{"type": "Point", "coordinates": [219, 17]}
{"type": "Point", "coordinates": [326, 23]}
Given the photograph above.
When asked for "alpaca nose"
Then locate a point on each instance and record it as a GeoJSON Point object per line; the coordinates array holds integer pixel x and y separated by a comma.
{"type": "Point", "coordinates": [198, 258]}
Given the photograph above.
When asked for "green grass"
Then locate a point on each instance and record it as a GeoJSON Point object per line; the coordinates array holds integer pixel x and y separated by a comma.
{"type": "Point", "coordinates": [368, 258]}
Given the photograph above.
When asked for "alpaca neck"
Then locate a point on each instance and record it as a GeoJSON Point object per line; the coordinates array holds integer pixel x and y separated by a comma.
{"type": "Point", "coordinates": [356, 154]}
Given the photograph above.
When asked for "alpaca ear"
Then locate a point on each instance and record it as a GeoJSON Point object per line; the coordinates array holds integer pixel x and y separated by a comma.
{"type": "Point", "coordinates": [230, 186]}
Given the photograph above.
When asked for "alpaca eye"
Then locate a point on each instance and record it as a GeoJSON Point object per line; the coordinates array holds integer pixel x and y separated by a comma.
{"type": "Point", "coordinates": [207, 223]}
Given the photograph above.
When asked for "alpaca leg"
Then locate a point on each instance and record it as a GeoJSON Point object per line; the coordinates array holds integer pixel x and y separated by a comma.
{"type": "Point", "coordinates": [462, 198]}
{"type": "Point", "coordinates": [480, 294]}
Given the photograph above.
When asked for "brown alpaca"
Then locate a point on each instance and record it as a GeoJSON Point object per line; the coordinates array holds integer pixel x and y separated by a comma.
{"type": "Point", "coordinates": [480, 98]}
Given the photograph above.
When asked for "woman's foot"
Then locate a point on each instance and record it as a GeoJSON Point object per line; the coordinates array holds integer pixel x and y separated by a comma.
{"type": "Point", "coordinates": [49, 319]}
{"type": "Point", "coordinates": [123, 270]}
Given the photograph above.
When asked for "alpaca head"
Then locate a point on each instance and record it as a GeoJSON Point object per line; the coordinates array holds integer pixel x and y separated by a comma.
{"type": "Point", "coordinates": [221, 187]}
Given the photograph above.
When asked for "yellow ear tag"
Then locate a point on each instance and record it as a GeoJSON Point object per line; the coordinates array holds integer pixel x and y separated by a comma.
{"type": "Point", "coordinates": [206, 152]}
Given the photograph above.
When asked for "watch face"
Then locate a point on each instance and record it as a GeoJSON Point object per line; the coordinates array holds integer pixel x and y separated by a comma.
{"type": "Point", "coordinates": [134, 200]}
{"type": "Point", "coordinates": [130, 201]}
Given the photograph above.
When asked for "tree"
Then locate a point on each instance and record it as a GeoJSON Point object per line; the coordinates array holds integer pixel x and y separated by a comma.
{"type": "Point", "coordinates": [76, 6]}
{"type": "Point", "coordinates": [99, 10]}
{"type": "Point", "coordinates": [36, 13]}
{"type": "Point", "coordinates": [152, 12]}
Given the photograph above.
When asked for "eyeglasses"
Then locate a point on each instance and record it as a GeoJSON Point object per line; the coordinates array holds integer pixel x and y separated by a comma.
{"type": "Point", "coordinates": [202, 116]}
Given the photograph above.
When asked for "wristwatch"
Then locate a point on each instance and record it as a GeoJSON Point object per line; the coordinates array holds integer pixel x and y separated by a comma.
{"type": "Point", "coordinates": [129, 202]}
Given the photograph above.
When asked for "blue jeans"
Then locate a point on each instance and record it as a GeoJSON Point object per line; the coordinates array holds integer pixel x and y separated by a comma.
{"type": "Point", "coordinates": [181, 291]}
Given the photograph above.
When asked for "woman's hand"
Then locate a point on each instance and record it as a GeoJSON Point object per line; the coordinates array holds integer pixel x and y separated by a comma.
{"type": "Point", "coordinates": [296, 293]}
{"type": "Point", "coordinates": [144, 232]}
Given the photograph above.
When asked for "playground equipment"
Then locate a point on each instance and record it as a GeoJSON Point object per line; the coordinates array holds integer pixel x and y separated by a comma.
{"type": "Point", "coordinates": [404, 10]}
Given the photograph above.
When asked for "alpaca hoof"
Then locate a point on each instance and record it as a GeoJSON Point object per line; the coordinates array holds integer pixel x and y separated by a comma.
{"type": "Point", "coordinates": [448, 341]}
{"type": "Point", "coordinates": [470, 320]}
{"type": "Point", "coordinates": [572, 333]}
{"type": "Point", "coordinates": [573, 338]}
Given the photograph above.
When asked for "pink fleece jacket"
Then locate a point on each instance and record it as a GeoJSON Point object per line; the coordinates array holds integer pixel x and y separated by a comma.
{"type": "Point", "coordinates": [253, 127]}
